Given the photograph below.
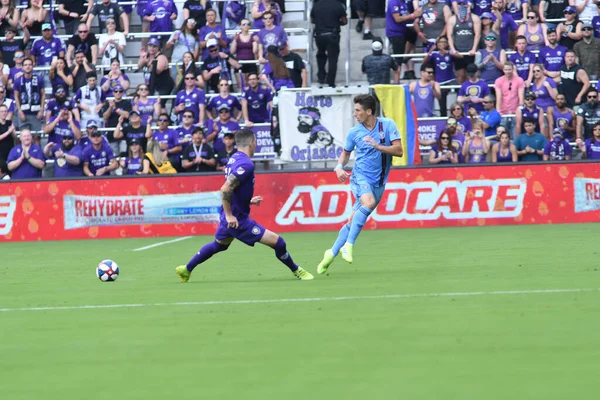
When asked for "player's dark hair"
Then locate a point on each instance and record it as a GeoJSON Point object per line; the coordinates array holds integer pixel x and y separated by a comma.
{"type": "Point", "coordinates": [367, 102]}
{"type": "Point", "coordinates": [243, 137]}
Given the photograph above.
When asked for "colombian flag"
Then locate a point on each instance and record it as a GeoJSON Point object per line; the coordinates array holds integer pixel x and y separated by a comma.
{"type": "Point", "coordinates": [397, 104]}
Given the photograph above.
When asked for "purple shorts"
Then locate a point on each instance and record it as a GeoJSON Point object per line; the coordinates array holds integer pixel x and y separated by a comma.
{"type": "Point", "coordinates": [248, 231]}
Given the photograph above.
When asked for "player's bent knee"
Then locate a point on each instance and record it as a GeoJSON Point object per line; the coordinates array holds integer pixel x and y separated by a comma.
{"type": "Point", "coordinates": [368, 201]}
{"type": "Point", "coordinates": [269, 238]}
{"type": "Point", "coordinates": [224, 243]}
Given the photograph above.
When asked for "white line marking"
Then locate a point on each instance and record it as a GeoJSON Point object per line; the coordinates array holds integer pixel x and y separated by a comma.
{"type": "Point", "coordinates": [161, 243]}
{"type": "Point", "coordinates": [306, 300]}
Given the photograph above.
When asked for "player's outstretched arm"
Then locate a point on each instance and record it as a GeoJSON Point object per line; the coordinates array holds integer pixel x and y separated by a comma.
{"type": "Point", "coordinates": [339, 168]}
{"type": "Point", "coordinates": [394, 150]}
{"type": "Point", "coordinates": [227, 189]}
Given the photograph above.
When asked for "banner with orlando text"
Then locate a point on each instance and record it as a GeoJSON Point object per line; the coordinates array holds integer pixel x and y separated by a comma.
{"type": "Point", "coordinates": [313, 127]}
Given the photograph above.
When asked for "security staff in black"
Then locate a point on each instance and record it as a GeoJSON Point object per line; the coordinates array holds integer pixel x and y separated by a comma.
{"type": "Point", "coordinates": [588, 115]}
{"type": "Point", "coordinates": [328, 16]}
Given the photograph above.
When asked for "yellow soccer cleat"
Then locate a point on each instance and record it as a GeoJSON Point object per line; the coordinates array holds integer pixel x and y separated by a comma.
{"type": "Point", "coordinates": [303, 275]}
{"type": "Point", "coordinates": [184, 274]}
{"type": "Point", "coordinates": [347, 252]}
{"type": "Point", "coordinates": [326, 262]}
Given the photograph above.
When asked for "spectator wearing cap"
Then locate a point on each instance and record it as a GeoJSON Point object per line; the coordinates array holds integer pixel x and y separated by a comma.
{"type": "Point", "coordinates": [115, 77]}
{"type": "Point", "coordinates": [26, 160]}
{"type": "Point", "coordinates": [160, 14]}
{"type": "Point", "coordinates": [91, 127]}
{"type": "Point", "coordinates": [134, 129]}
{"type": "Point", "coordinates": [275, 74]}
{"type": "Point", "coordinates": [472, 92]}
{"type": "Point", "coordinates": [60, 74]}
{"type": "Point", "coordinates": [295, 65]}
{"type": "Point", "coordinates": [424, 91]}
{"type": "Point", "coordinates": [552, 9]}
{"type": "Point", "coordinates": [8, 133]}
{"type": "Point", "coordinates": [223, 156]}
{"type": "Point", "coordinates": [327, 16]}
{"type": "Point", "coordinates": [8, 103]}
{"type": "Point", "coordinates": [588, 115]}
{"type": "Point", "coordinates": [569, 31]}
{"type": "Point", "coordinates": [590, 149]}
{"type": "Point", "coordinates": [198, 156]}
{"type": "Point", "coordinates": [58, 102]}
{"type": "Point", "coordinates": [534, 31]}
{"type": "Point", "coordinates": [80, 69]}
{"type": "Point", "coordinates": [47, 48]}
{"type": "Point", "coordinates": [106, 10]}
{"type": "Point", "coordinates": [489, 24]}
{"type": "Point", "coordinates": [89, 99]}
{"type": "Point", "coordinates": [212, 30]}
{"type": "Point", "coordinates": [587, 51]}
{"type": "Point", "coordinates": [529, 110]}
{"type": "Point", "coordinates": [530, 145]}
{"type": "Point", "coordinates": [98, 158]}
{"type": "Point", "coordinates": [273, 35]}
{"type": "Point", "coordinates": [68, 158]}
{"type": "Point", "coordinates": [190, 98]}
{"type": "Point", "coordinates": [167, 140]}
{"type": "Point", "coordinates": [490, 60]}
{"type": "Point", "coordinates": [543, 87]}
{"type": "Point", "coordinates": [505, 20]}
{"type": "Point", "coordinates": [257, 102]}
{"type": "Point", "coordinates": [464, 33]}
{"type": "Point", "coordinates": [401, 37]}
{"type": "Point", "coordinates": [523, 59]}
{"type": "Point", "coordinates": [73, 13]}
{"type": "Point", "coordinates": [156, 71]}
{"type": "Point", "coordinates": [216, 67]}
{"type": "Point", "coordinates": [510, 91]}
{"type": "Point", "coordinates": [63, 124]}
{"type": "Point", "coordinates": [563, 118]}
{"type": "Point", "coordinates": [557, 149]}
{"type": "Point", "coordinates": [552, 56]}
{"type": "Point", "coordinates": [116, 109]}
{"type": "Point", "coordinates": [221, 125]}
{"type": "Point", "coordinates": [85, 41]}
{"type": "Point", "coordinates": [133, 163]}
{"type": "Point", "coordinates": [377, 66]}
{"type": "Point", "coordinates": [489, 118]}
{"type": "Point", "coordinates": [224, 98]}
{"type": "Point", "coordinates": [111, 44]}
{"type": "Point", "coordinates": [574, 80]}
{"type": "Point", "coordinates": [10, 46]}
{"type": "Point", "coordinates": [30, 97]}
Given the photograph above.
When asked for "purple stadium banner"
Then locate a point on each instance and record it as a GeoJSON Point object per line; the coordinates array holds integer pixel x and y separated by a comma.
{"type": "Point", "coordinates": [265, 148]}
{"type": "Point", "coordinates": [428, 130]}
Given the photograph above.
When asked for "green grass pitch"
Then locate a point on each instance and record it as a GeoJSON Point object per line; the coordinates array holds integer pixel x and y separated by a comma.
{"type": "Point", "coordinates": [528, 345]}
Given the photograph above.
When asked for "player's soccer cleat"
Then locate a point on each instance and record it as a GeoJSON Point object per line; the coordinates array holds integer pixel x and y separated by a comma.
{"type": "Point", "coordinates": [326, 262]}
{"type": "Point", "coordinates": [184, 274]}
{"type": "Point", "coordinates": [303, 275]}
{"type": "Point", "coordinates": [347, 252]}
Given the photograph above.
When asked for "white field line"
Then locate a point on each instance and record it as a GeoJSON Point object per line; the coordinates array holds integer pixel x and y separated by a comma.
{"type": "Point", "coordinates": [305, 300]}
{"type": "Point", "coordinates": [161, 243]}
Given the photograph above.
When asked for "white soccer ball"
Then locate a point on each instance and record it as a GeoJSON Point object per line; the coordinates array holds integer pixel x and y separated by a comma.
{"type": "Point", "coordinates": [107, 271]}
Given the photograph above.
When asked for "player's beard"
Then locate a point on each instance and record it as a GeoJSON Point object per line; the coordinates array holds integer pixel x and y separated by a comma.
{"type": "Point", "coordinates": [304, 127]}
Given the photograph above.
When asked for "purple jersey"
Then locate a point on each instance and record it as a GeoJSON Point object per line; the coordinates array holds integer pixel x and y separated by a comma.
{"type": "Point", "coordinates": [275, 10]}
{"type": "Point", "coordinates": [515, 12]}
{"type": "Point", "coordinates": [30, 93]}
{"type": "Point", "coordinates": [464, 125]}
{"type": "Point", "coordinates": [552, 59]}
{"type": "Point", "coordinates": [242, 168]}
{"type": "Point", "coordinates": [98, 158]}
{"type": "Point", "coordinates": [168, 136]}
{"type": "Point", "coordinates": [55, 107]}
{"type": "Point", "coordinates": [146, 109]}
{"type": "Point", "coordinates": [478, 89]}
{"type": "Point", "coordinates": [14, 71]}
{"type": "Point", "coordinates": [534, 114]}
{"type": "Point", "coordinates": [192, 102]}
{"type": "Point", "coordinates": [184, 134]}
{"type": "Point", "coordinates": [393, 28]}
{"type": "Point", "coordinates": [596, 26]}
{"type": "Point", "coordinates": [133, 165]}
{"type": "Point", "coordinates": [230, 101]}
{"type": "Point", "coordinates": [113, 82]}
{"type": "Point", "coordinates": [26, 170]}
{"type": "Point", "coordinates": [444, 71]}
{"type": "Point", "coordinates": [592, 148]}
{"type": "Point", "coordinates": [62, 167]}
{"type": "Point", "coordinates": [162, 10]}
{"type": "Point", "coordinates": [508, 24]}
{"type": "Point", "coordinates": [62, 128]}
{"type": "Point", "coordinates": [544, 99]}
{"type": "Point", "coordinates": [522, 63]}
{"type": "Point", "coordinates": [44, 51]}
{"type": "Point", "coordinates": [275, 37]}
{"type": "Point", "coordinates": [207, 32]}
{"type": "Point", "coordinates": [258, 100]}
{"type": "Point", "coordinates": [557, 149]}
{"type": "Point", "coordinates": [222, 129]}
{"type": "Point", "coordinates": [561, 119]}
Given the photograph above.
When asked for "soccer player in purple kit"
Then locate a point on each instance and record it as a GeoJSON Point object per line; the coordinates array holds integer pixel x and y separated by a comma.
{"type": "Point", "coordinates": [235, 222]}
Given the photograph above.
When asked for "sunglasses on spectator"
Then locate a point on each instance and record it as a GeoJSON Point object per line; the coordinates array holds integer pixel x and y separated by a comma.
{"type": "Point", "coordinates": [162, 120]}
{"type": "Point", "coordinates": [188, 116]}
{"type": "Point", "coordinates": [245, 23]}
{"type": "Point", "coordinates": [95, 134]}
{"type": "Point", "coordinates": [58, 91]}
{"type": "Point", "coordinates": [568, 12]}
{"type": "Point", "coordinates": [430, 72]}
{"type": "Point", "coordinates": [587, 28]}
{"type": "Point", "coordinates": [451, 123]}
{"type": "Point", "coordinates": [537, 70]}
{"type": "Point", "coordinates": [213, 50]}
{"type": "Point", "coordinates": [83, 31]}
{"type": "Point", "coordinates": [490, 38]}
{"type": "Point", "coordinates": [486, 102]}
{"type": "Point", "coordinates": [143, 88]}
{"type": "Point", "coordinates": [117, 91]}
{"type": "Point", "coordinates": [110, 22]}
{"type": "Point", "coordinates": [223, 111]}
{"type": "Point", "coordinates": [531, 17]}
{"type": "Point", "coordinates": [68, 137]}
{"type": "Point", "coordinates": [444, 138]}
{"type": "Point", "coordinates": [592, 97]}
{"type": "Point", "coordinates": [189, 78]}
{"type": "Point", "coordinates": [529, 98]}
{"type": "Point", "coordinates": [224, 84]}
{"type": "Point", "coordinates": [457, 108]}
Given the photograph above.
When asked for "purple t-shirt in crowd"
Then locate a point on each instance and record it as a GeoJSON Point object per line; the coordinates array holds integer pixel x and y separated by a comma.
{"type": "Point", "coordinates": [393, 28]}
{"type": "Point", "coordinates": [478, 89]}
{"type": "Point", "coordinates": [522, 63]}
{"type": "Point", "coordinates": [64, 168]}
{"type": "Point", "coordinates": [508, 24]}
{"type": "Point", "coordinates": [98, 158]}
{"type": "Point", "coordinates": [45, 51]}
{"type": "Point", "coordinates": [464, 125]}
{"type": "Point", "coordinates": [544, 99]}
{"type": "Point", "coordinates": [54, 106]}
{"type": "Point", "coordinates": [258, 101]}
{"type": "Point", "coordinates": [259, 24]}
{"type": "Point", "coordinates": [592, 148]}
{"type": "Point", "coordinates": [61, 128]}
{"type": "Point", "coordinates": [242, 167]}
{"type": "Point", "coordinates": [444, 70]}
{"type": "Point", "coordinates": [169, 136]}
{"type": "Point", "coordinates": [133, 165]}
{"type": "Point", "coordinates": [222, 129]}
{"type": "Point", "coordinates": [162, 10]}
{"type": "Point", "coordinates": [184, 134]}
{"type": "Point", "coordinates": [231, 101]}
{"type": "Point", "coordinates": [146, 110]}
{"type": "Point", "coordinates": [552, 59]}
{"type": "Point", "coordinates": [26, 170]}
{"type": "Point", "coordinates": [192, 102]}
{"type": "Point", "coordinates": [275, 36]}
{"type": "Point", "coordinates": [205, 33]}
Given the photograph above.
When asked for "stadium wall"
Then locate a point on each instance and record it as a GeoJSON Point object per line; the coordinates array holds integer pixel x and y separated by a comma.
{"type": "Point", "coordinates": [300, 201]}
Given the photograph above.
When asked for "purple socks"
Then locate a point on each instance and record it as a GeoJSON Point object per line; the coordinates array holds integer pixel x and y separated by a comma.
{"type": "Point", "coordinates": [283, 255]}
{"type": "Point", "coordinates": [206, 252]}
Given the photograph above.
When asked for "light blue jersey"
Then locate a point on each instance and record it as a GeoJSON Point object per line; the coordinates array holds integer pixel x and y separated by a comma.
{"type": "Point", "coordinates": [372, 166]}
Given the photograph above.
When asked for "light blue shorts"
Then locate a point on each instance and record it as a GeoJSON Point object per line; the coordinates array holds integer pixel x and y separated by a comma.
{"type": "Point", "coordinates": [360, 186]}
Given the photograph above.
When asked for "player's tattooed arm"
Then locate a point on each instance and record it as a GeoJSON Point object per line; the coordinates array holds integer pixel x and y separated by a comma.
{"type": "Point", "coordinates": [230, 185]}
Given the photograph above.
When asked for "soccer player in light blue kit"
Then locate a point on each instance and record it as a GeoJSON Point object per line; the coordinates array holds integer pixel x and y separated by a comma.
{"type": "Point", "coordinates": [375, 140]}
{"type": "Point", "coordinates": [235, 221]}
